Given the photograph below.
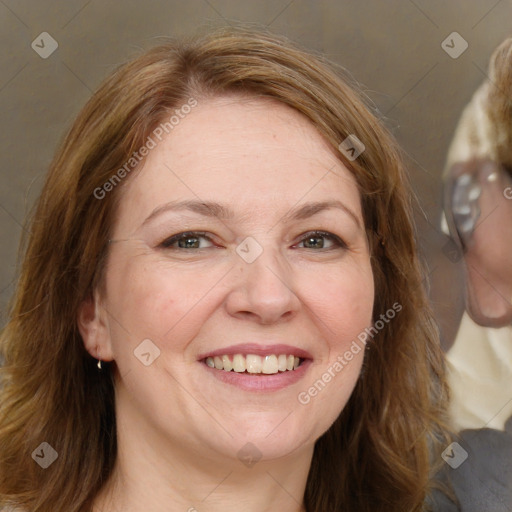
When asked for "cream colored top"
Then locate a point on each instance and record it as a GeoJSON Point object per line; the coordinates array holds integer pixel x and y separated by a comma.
{"type": "Point", "coordinates": [480, 375]}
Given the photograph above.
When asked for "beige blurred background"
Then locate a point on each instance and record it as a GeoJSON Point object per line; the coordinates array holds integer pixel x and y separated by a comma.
{"type": "Point", "coordinates": [392, 48]}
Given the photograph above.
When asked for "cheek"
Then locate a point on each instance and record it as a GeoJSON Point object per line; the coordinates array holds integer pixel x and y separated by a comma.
{"type": "Point", "coordinates": [343, 306]}
{"type": "Point", "coordinates": [342, 301]}
{"type": "Point", "coordinates": [140, 298]}
{"type": "Point", "coordinates": [157, 301]}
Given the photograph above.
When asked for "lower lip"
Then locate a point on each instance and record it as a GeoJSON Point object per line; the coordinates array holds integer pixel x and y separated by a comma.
{"type": "Point", "coordinates": [260, 382]}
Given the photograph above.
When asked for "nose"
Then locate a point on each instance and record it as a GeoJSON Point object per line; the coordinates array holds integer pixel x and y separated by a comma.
{"type": "Point", "coordinates": [263, 290]}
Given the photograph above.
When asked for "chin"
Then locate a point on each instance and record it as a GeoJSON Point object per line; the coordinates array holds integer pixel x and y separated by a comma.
{"type": "Point", "coordinates": [275, 435]}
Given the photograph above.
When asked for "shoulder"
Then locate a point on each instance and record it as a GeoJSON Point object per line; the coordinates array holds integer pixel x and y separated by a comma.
{"type": "Point", "coordinates": [483, 481]}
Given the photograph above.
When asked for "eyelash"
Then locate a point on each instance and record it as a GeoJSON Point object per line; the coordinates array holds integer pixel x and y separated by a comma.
{"type": "Point", "coordinates": [168, 242]}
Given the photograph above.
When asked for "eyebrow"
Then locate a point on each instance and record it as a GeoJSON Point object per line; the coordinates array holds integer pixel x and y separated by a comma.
{"type": "Point", "coordinates": [223, 212]}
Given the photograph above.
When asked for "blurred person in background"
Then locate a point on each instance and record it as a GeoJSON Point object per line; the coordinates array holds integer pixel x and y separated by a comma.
{"type": "Point", "coordinates": [478, 216]}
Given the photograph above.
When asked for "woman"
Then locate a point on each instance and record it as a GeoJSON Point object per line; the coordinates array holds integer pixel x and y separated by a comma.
{"type": "Point", "coordinates": [220, 304]}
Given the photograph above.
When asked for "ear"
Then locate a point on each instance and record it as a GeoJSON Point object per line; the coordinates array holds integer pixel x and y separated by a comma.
{"type": "Point", "coordinates": [94, 328]}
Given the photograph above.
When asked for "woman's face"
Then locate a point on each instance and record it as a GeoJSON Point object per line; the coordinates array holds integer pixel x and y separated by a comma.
{"type": "Point", "coordinates": [249, 290]}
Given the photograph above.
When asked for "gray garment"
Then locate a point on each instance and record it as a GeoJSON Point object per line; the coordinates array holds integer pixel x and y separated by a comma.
{"type": "Point", "coordinates": [483, 482]}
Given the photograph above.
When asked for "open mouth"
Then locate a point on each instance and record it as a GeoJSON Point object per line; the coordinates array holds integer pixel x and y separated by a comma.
{"type": "Point", "coordinates": [255, 364]}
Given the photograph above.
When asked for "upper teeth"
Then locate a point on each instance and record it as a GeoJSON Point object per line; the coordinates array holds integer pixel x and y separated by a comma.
{"type": "Point", "coordinates": [254, 364]}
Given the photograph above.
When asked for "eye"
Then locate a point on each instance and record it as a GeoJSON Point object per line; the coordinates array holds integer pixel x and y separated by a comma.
{"type": "Point", "coordinates": [186, 240]}
{"type": "Point", "coordinates": [314, 240]}
{"type": "Point", "coordinates": [191, 240]}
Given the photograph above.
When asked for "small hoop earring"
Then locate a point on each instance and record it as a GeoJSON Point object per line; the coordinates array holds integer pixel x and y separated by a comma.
{"type": "Point", "coordinates": [99, 364]}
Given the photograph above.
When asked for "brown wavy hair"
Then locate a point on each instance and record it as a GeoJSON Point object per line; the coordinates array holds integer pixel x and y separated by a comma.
{"type": "Point", "coordinates": [379, 453]}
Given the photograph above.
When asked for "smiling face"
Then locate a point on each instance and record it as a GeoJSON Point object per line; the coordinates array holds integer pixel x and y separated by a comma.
{"type": "Point", "coordinates": [257, 290]}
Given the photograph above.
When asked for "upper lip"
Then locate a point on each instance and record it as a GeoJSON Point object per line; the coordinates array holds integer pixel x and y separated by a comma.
{"type": "Point", "coordinates": [258, 349]}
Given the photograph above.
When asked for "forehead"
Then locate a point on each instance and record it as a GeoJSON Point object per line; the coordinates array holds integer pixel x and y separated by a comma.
{"type": "Point", "coordinates": [243, 126]}
{"type": "Point", "coordinates": [246, 152]}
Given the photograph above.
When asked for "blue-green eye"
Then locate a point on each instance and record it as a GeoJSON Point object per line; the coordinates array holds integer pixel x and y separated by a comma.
{"type": "Point", "coordinates": [186, 240]}
{"type": "Point", "coordinates": [315, 240]}
{"type": "Point", "coordinates": [192, 240]}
